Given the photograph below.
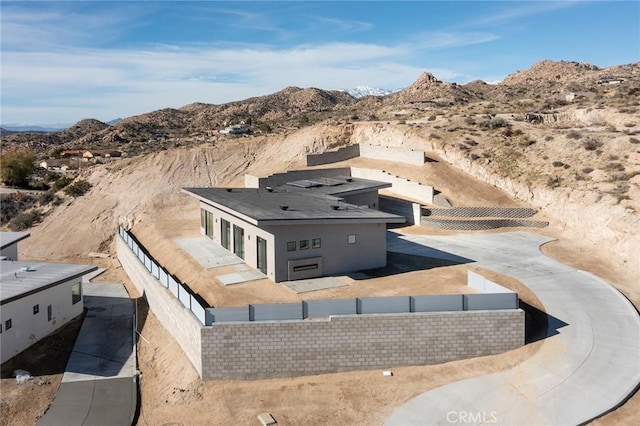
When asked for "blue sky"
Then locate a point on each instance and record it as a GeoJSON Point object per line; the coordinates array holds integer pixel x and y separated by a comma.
{"type": "Point", "coordinates": [65, 61]}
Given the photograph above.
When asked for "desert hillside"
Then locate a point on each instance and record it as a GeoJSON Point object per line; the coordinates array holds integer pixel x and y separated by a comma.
{"type": "Point", "coordinates": [561, 136]}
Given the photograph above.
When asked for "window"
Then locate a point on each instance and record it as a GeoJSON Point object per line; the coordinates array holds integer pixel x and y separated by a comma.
{"type": "Point", "coordinates": [238, 241]}
{"type": "Point", "coordinates": [304, 244]}
{"type": "Point", "coordinates": [76, 293]}
{"type": "Point", "coordinates": [36, 309]}
{"type": "Point", "coordinates": [225, 230]}
{"type": "Point", "coordinates": [49, 313]}
{"type": "Point", "coordinates": [291, 246]}
{"type": "Point", "coordinates": [351, 239]}
{"type": "Point", "coordinates": [315, 243]}
{"type": "Point", "coordinates": [8, 324]}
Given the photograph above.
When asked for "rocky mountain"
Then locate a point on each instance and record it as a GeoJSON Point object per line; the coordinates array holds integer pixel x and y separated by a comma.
{"type": "Point", "coordinates": [428, 88]}
{"type": "Point", "coordinates": [542, 87]}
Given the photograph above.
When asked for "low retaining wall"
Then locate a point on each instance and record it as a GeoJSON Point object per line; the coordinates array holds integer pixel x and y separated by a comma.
{"type": "Point", "coordinates": [501, 212]}
{"type": "Point", "coordinates": [344, 343]}
{"type": "Point", "coordinates": [479, 224]}
{"type": "Point", "coordinates": [401, 186]}
{"type": "Point", "coordinates": [271, 340]}
{"type": "Point", "coordinates": [278, 179]}
{"type": "Point", "coordinates": [364, 150]}
{"type": "Point", "coordinates": [398, 155]}
{"type": "Point", "coordinates": [341, 154]}
{"type": "Point", "coordinates": [410, 211]}
{"type": "Point", "coordinates": [172, 314]}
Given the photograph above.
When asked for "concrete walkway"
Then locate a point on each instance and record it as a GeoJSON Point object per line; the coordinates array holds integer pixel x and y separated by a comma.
{"type": "Point", "coordinates": [99, 383]}
{"type": "Point", "coordinates": [588, 364]}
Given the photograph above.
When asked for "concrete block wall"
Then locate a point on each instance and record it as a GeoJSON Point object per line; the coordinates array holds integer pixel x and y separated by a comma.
{"type": "Point", "coordinates": [409, 210]}
{"type": "Point", "coordinates": [355, 342]}
{"type": "Point", "coordinates": [174, 317]}
{"type": "Point", "coordinates": [401, 186]}
{"type": "Point", "coordinates": [398, 155]}
{"type": "Point", "coordinates": [341, 154]}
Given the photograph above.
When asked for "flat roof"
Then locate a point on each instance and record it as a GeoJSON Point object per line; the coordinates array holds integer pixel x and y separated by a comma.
{"type": "Point", "coordinates": [21, 279]}
{"type": "Point", "coordinates": [264, 207]}
{"type": "Point", "coordinates": [9, 238]}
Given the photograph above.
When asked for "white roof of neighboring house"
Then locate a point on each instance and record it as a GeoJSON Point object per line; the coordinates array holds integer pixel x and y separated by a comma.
{"type": "Point", "coordinates": [21, 279]}
{"type": "Point", "coordinates": [9, 238]}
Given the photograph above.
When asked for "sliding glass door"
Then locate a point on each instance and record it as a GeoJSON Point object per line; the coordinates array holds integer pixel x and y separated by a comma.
{"type": "Point", "coordinates": [238, 241]}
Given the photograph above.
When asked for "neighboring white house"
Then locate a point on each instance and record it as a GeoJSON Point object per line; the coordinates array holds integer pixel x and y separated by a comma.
{"type": "Point", "coordinates": [303, 229]}
{"type": "Point", "coordinates": [235, 129]}
{"type": "Point", "coordinates": [9, 244]}
{"type": "Point", "coordinates": [36, 299]}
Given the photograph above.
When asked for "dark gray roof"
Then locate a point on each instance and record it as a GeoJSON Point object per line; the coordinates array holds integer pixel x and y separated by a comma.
{"type": "Point", "coordinates": [9, 238]}
{"type": "Point", "coordinates": [17, 282]}
{"type": "Point", "coordinates": [262, 205]}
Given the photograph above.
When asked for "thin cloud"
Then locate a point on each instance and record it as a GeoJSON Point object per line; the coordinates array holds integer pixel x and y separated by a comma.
{"type": "Point", "coordinates": [521, 11]}
{"type": "Point", "coordinates": [345, 24]}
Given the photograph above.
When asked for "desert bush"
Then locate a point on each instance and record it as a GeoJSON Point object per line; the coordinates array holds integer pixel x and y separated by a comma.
{"type": "Point", "coordinates": [61, 183]}
{"type": "Point", "coordinates": [25, 220]}
{"type": "Point", "coordinates": [78, 188]}
{"type": "Point", "coordinates": [474, 156]}
{"type": "Point", "coordinates": [469, 121]}
{"type": "Point", "coordinates": [12, 204]}
{"type": "Point", "coordinates": [619, 176]}
{"type": "Point", "coordinates": [591, 144]}
{"type": "Point", "coordinates": [557, 164]}
{"type": "Point", "coordinates": [548, 138]}
{"type": "Point", "coordinates": [432, 117]}
{"type": "Point", "coordinates": [634, 140]}
{"type": "Point", "coordinates": [573, 135]}
{"type": "Point", "coordinates": [587, 170]}
{"type": "Point", "coordinates": [554, 181]}
{"type": "Point", "coordinates": [493, 123]}
{"type": "Point", "coordinates": [16, 166]}
{"type": "Point", "coordinates": [614, 167]}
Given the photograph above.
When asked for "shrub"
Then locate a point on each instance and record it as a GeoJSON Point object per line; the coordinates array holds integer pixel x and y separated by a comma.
{"type": "Point", "coordinates": [554, 181]}
{"type": "Point", "coordinates": [591, 144]}
{"type": "Point", "coordinates": [25, 220]}
{"type": "Point", "coordinates": [16, 166]}
{"type": "Point", "coordinates": [620, 176]}
{"type": "Point", "coordinates": [493, 123]}
{"type": "Point", "coordinates": [557, 164]}
{"type": "Point", "coordinates": [614, 167]}
{"type": "Point", "coordinates": [432, 117]}
{"type": "Point", "coordinates": [573, 135]}
{"type": "Point", "coordinates": [13, 204]}
{"type": "Point", "coordinates": [634, 140]}
{"type": "Point", "coordinates": [77, 188]}
{"type": "Point", "coordinates": [61, 183]}
{"type": "Point", "coordinates": [587, 170]}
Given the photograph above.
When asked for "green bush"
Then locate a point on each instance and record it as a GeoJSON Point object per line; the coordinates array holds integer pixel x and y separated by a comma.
{"type": "Point", "coordinates": [16, 166]}
{"type": "Point", "coordinates": [25, 220]}
{"type": "Point", "coordinates": [61, 183]}
{"type": "Point", "coordinates": [77, 188]}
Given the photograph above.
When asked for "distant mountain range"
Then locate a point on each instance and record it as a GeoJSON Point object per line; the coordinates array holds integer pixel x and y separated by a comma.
{"type": "Point", "coordinates": [362, 91]}
{"type": "Point", "coordinates": [59, 127]}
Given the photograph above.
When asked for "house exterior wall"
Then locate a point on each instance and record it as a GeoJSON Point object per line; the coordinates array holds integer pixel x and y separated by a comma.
{"type": "Point", "coordinates": [338, 256]}
{"type": "Point", "coordinates": [11, 252]}
{"type": "Point", "coordinates": [355, 342]}
{"type": "Point", "coordinates": [27, 328]}
{"type": "Point", "coordinates": [251, 232]}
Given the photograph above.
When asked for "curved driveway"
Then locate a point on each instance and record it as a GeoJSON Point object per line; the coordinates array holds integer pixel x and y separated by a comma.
{"type": "Point", "coordinates": [589, 364]}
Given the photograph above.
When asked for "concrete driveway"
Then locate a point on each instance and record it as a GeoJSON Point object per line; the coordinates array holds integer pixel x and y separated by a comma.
{"type": "Point", "coordinates": [588, 364]}
{"type": "Point", "coordinates": [99, 384]}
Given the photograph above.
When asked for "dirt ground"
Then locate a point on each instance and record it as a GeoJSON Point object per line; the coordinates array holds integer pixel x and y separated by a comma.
{"type": "Point", "coordinates": [172, 393]}
{"type": "Point", "coordinates": [23, 404]}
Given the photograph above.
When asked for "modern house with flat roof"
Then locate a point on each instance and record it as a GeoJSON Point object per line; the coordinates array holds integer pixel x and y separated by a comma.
{"type": "Point", "coordinates": [36, 299]}
{"type": "Point", "coordinates": [305, 228]}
